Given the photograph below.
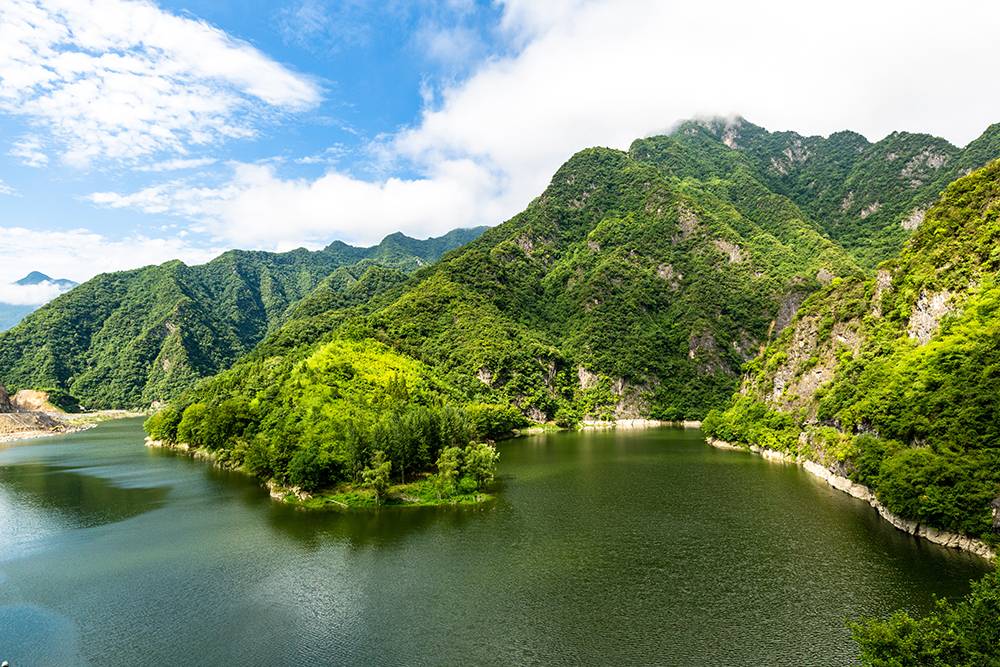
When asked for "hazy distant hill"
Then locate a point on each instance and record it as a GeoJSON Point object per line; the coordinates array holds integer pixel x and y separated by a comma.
{"type": "Point", "coordinates": [11, 314]}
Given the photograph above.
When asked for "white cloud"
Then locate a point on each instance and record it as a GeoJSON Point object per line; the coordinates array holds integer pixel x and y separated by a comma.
{"type": "Point", "coordinates": [256, 208]}
{"type": "Point", "coordinates": [178, 164]}
{"type": "Point", "coordinates": [29, 151]}
{"type": "Point", "coordinates": [329, 155]}
{"type": "Point", "coordinates": [7, 190]}
{"type": "Point", "coordinates": [451, 46]}
{"type": "Point", "coordinates": [604, 72]}
{"type": "Point", "coordinates": [80, 254]}
{"type": "Point", "coordinates": [29, 295]}
{"type": "Point", "coordinates": [122, 79]}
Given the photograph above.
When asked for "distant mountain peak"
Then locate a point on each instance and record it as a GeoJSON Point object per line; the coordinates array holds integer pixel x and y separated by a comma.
{"type": "Point", "coordinates": [34, 278]}
{"type": "Point", "coordinates": [37, 278]}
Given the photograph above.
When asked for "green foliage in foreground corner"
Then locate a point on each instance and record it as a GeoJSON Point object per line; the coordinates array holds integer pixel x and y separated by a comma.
{"type": "Point", "coordinates": [956, 634]}
{"type": "Point", "coordinates": [351, 414]}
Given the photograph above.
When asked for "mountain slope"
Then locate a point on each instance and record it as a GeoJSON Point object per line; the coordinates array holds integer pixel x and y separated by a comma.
{"type": "Point", "coordinates": [895, 380]}
{"type": "Point", "coordinates": [867, 196]}
{"type": "Point", "coordinates": [624, 290]}
{"type": "Point", "coordinates": [130, 338]}
{"type": "Point", "coordinates": [629, 288]}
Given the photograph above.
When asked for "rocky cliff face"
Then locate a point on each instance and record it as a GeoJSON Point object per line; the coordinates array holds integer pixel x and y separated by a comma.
{"type": "Point", "coordinates": [891, 380]}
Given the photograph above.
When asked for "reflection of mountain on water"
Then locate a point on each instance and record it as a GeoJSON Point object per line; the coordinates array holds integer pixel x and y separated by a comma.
{"type": "Point", "coordinates": [82, 500]}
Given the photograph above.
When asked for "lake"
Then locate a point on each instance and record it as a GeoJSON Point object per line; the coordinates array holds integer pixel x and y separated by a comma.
{"type": "Point", "coordinates": [628, 547]}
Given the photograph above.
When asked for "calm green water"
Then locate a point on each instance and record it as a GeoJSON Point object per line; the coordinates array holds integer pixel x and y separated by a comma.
{"type": "Point", "coordinates": [604, 548]}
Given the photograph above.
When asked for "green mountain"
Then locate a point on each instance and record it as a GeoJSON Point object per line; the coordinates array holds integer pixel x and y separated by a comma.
{"type": "Point", "coordinates": [643, 283]}
{"type": "Point", "coordinates": [131, 338]}
{"type": "Point", "coordinates": [636, 285]}
{"type": "Point", "coordinates": [868, 197]}
{"type": "Point", "coordinates": [894, 380]}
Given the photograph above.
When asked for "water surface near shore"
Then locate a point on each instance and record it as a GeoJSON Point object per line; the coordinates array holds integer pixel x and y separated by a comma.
{"type": "Point", "coordinates": [604, 547]}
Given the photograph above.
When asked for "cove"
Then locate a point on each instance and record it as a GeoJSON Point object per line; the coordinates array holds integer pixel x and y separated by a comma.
{"type": "Point", "coordinates": [603, 547]}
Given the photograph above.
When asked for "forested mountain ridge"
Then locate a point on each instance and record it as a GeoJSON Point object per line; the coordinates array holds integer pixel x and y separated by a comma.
{"type": "Point", "coordinates": [629, 288]}
{"type": "Point", "coordinates": [621, 291]}
{"type": "Point", "coordinates": [635, 285]}
{"type": "Point", "coordinates": [130, 338]}
{"type": "Point", "coordinates": [867, 196]}
{"type": "Point", "coordinates": [894, 380]}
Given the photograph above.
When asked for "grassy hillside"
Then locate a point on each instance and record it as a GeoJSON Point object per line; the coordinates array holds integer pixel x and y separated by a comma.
{"type": "Point", "coordinates": [895, 379]}
{"type": "Point", "coordinates": [128, 339]}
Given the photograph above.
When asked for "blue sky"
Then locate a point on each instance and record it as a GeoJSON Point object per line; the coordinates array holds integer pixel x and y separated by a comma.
{"type": "Point", "coordinates": [135, 131]}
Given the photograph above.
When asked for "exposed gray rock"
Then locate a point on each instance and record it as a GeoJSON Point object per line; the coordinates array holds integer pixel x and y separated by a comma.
{"type": "Point", "coordinates": [687, 224]}
{"type": "Point", "coordinates": [847, 201]}
{"type": "Point", "coordinates": [485, 376]}
{"type": "Point", "coordinates": [732, 251]}
{"type": "Point", "coordinates": [914, 219]}
{"type": "Point", "coordinates": [870, 209]}
{"type": "Point", "coordinates": [927, 314]}
{"type": "Point", "coordinates": [536, 415]}
{"type": "Point", "coordinates": [789, 306]}
{"type": "Point", "coordinates": [586, 378]}
{"type": "Point", "coordinates": [883, 281]}
{"type": "Point", "coordinates": [667, 273]}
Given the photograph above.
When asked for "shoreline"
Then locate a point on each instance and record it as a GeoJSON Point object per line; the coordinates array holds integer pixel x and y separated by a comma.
{"type": "Point", "coordinates": [861, 492]}
{"type": "Point", "coordinates": [9, 438]}
{"type": "Point", "coordinates": [69, 423]}
{"type": "Point", "coordinates": [331, 499]}
{"type": "Point", "coordinates": [595, 424]}
{"type": "Point", "coordinates": [604, 424]}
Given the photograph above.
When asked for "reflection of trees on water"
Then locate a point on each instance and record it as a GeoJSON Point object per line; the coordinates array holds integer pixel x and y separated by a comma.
{"type": "Point", "coordinates": [385, 527]}
{"type": "Point", "coordinates": [80, 499]}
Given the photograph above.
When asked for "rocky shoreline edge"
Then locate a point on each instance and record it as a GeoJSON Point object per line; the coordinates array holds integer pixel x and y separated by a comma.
{"type": "Point", "coordinates": [862, 492]}
{"type": "Point", "coordinates": [593, 424]}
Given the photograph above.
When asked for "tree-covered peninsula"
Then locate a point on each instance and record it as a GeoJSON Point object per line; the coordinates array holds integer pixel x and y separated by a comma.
{"type": "Point", "coordinates": [351, 424]}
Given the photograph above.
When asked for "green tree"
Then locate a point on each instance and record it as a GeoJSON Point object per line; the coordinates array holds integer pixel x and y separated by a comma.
{"type": "Point", "coordinates": [956, 634]}
{"type": "Point", "coordinates": [163, 425]}
{"type": "Point", "coordinates": [376, 477]}
{"type": "Point", "coordinates": [481, 463]}
{"type": "Point", "coordinates": [189, 430]}
{"type": "Point", "coordinates": [312, 468]}
{"type": "Point", "coordinates": [448, 465]}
